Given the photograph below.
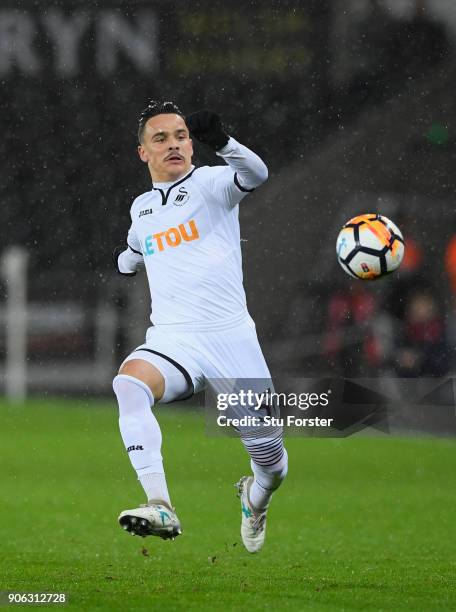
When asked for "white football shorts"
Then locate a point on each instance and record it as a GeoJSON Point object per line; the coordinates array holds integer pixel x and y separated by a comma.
{"type": "Point", "coordinates": [187, 358]}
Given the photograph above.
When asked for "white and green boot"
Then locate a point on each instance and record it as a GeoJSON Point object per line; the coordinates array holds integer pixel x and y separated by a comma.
{"type": "Point", "coordinates": [155, 518]}
{"type": "Point", "coordinates": [253, 524]}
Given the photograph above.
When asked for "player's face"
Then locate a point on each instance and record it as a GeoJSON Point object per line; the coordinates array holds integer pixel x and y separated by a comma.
{"type": "Point", "coordinates": [166, 147]}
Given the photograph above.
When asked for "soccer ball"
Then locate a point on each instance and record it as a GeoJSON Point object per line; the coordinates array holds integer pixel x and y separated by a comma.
{"type": "Point", "coordinates": [370, 246]}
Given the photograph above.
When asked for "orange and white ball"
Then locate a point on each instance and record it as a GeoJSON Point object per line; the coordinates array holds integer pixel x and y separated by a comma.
{"type": "Point", "coordinates": [370, 246]}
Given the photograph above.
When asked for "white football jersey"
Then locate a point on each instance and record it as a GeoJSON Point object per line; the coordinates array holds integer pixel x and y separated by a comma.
{"type": "Point", "coordinates": [187, 235]}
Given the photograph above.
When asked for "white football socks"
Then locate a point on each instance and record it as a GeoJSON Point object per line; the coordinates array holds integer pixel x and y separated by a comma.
{"type": "Point", "coordinates": [154, 484]}
{"type": "Point", "coordinates": [141, 434]}
{"type": "Point", "coordinates": [267, 478]}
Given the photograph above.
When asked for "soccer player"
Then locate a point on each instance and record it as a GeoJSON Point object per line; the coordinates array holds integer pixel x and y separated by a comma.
{"type": "Point", "coordinates": [185, 232]}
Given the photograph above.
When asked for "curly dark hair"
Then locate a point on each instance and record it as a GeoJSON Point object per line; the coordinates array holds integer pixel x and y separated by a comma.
{"type": "Point", "coordinates": [155, 107]}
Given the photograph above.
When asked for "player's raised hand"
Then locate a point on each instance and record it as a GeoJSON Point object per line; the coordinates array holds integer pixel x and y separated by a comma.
{"type": "Point", "coordinates": [206, 126]}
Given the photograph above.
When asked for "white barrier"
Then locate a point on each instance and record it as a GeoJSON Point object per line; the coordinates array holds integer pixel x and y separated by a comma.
{"type": "Point", "coordinates": [14, 272]}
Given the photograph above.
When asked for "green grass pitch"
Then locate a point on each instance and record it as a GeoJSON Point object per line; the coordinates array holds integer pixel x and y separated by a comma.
{"type": "Point", "coordinates": [363, 523]}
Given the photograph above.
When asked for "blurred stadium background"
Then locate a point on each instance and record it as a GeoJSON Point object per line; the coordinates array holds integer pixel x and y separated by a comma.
{"type": "Point", "coordinates": [350, 103]}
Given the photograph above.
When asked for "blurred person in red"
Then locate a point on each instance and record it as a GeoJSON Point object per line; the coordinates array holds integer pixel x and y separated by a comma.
{"type": "Point", "coordinates": [422, 345]}
{"type": "Point", "coordinates": [450, 262]}
{"type": "Point", "coordinates": [356, 338]}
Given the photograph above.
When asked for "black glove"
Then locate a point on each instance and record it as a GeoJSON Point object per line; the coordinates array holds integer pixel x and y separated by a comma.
{"type": "Point", "coordinates": [115, 257]}
{"type": "Point", "coordinates": [206, 126]}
